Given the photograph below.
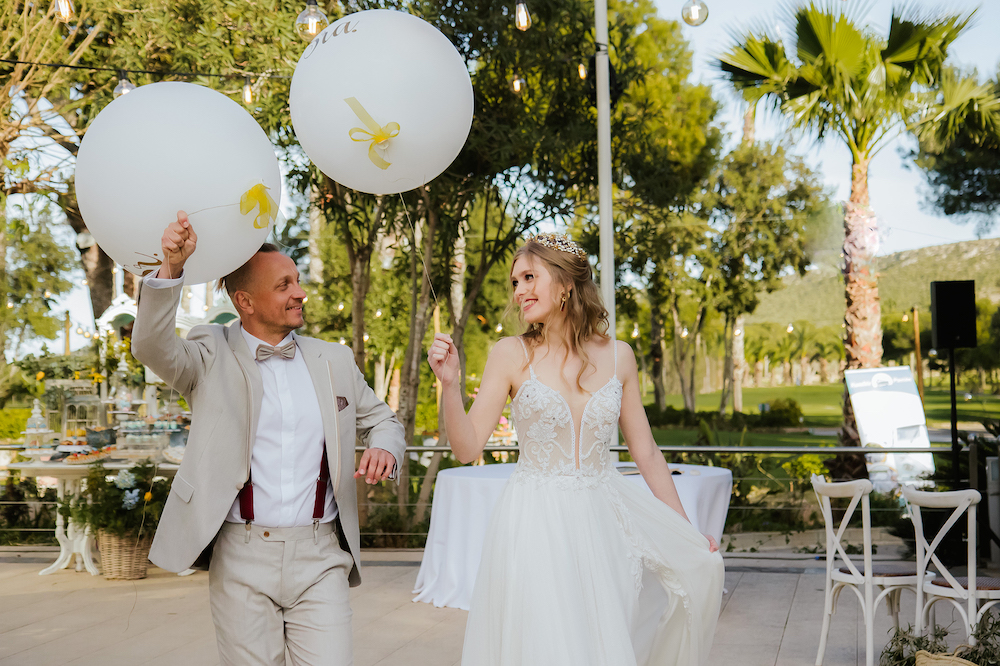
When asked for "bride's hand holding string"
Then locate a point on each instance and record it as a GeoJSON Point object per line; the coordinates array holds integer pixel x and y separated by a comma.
{"type": "Point", "coordinates": [713, 545]}
{"type": "Point", "coordinates": [443, 359]}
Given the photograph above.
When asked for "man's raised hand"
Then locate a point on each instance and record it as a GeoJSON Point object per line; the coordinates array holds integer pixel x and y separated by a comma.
{"type": "Point", "coordinates": [178, 244]}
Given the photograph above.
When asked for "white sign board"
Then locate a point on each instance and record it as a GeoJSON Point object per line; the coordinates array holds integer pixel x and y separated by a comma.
{"type": "Point", "coordinates": [889, 413]}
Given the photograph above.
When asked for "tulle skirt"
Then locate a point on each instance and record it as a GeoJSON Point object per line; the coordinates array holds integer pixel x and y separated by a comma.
{"type": "Point", "coordinates": [594, 571]}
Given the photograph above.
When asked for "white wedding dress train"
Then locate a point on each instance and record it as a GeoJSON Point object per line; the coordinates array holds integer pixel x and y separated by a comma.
{"type": "Point", "coordinates": [569, 547]}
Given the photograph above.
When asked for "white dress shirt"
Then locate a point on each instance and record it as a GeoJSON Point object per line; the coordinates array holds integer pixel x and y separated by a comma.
{"type": "Point", "coordinates": [288, 450]}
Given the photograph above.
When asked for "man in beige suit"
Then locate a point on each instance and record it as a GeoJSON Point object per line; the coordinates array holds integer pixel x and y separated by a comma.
{"type": "Point", "coordinates": [265, 491]}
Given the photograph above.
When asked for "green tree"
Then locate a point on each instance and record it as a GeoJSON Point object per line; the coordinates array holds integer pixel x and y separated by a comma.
{"type": "Point", "coordinates": [851, 82]}
{"type": "Point", "coordinates": [960, 148]}
{"type": "Point", "coordinates": [761, 201]}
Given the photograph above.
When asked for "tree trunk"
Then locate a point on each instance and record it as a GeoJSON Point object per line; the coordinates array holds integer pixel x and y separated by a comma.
{"type": "Point", "coordinates": [96, 264]}
{"type": "Point", "coordinates": [863, 316]}
{"type": "Point", "coordinates": [728, 375]}
{"type": "Point", "coordinates": [420, 306]}
{"type": "Point", "coordinates": [824, 370]}
{"type": "Point", "coordinates": [656, 349]}
{"type": "Point", "coordinates": [739, 363]}
{"type": "Point", "coordinates": [804, 369]}
{"type": "Point", "coordinates": [758, 374]}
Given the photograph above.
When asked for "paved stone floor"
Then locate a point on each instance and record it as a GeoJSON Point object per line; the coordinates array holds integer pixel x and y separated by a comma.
{"type": "Point", "coordinates": [771, 616]}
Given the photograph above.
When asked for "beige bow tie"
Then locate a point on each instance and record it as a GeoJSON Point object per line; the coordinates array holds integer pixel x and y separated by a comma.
{"type": "Point", "coordinates": [265, 352]}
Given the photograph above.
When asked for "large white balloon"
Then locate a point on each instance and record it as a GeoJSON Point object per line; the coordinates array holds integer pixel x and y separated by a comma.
{"type": "Point", "coordinates": [381, 101]}
{"type": "Point", "coordinates": [175, 146]}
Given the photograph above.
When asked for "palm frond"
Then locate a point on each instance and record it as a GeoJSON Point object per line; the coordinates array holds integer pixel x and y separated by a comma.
{"type": "Point", "coordinates": [918, 42]}
{"type": "Point", "coordinates": [962, 107]}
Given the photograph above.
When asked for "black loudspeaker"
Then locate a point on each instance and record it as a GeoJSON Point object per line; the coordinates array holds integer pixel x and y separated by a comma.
{"type": "Point", "coordinates": [953, 314]}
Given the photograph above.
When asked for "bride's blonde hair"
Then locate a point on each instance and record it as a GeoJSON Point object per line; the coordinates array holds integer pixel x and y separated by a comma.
{"type": "Point", "coordinates": [584, 312]}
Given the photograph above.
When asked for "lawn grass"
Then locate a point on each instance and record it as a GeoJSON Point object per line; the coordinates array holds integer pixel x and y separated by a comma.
{"type": "Point", "coordinates": [821, 404]}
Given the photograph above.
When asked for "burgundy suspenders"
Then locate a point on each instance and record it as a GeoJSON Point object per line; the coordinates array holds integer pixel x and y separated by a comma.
{"type": "Point", "coordinates": [246, 494]}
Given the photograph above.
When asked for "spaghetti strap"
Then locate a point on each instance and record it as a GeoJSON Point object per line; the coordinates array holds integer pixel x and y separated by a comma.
{"type": "Point", "coordinates": [526, 357]}
{"type": "Point", "coordinates": [615, 343]}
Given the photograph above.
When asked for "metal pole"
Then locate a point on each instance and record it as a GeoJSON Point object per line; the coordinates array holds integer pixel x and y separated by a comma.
{"type": "Point", "coordinates": [955, 448]}
{"type": "Point", "coordinates": [607, 252]}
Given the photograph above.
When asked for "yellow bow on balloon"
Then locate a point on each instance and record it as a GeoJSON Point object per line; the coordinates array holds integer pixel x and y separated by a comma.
{"type": "Point", "coordinates": [378, 135]}
{"type": "Point", "coordinates": [257, 197]}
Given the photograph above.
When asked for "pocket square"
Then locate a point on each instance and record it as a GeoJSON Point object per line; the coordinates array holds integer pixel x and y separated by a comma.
{"type": "Point", "coordinates": [341, 403]}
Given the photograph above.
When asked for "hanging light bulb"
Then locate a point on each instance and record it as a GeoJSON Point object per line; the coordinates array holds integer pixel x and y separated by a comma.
{"type": "Point", "coordinates": [499, 328]}
{"type": "Point", "coordinates": [635, 330]}
{"type": "Point", "coordinates": [10, 304]}
{"type": "Point", "coordinates": [79, 330]}
{"type": "Point", "coordinates": [906, 318]}
{"type": "Point", "coordinates": [522, 19]}
{"type": "Point", "coordinates": [114, 270]}
{"type": "Point", "coordinates": [343, 341]}
{"type": "Point", "coordinates": [378, 313]}
{"type": "Point", "coordinates": [305, 299]}
{"type": "Point", "coordinates": [789, 329]}
{"type": "Point", "coordinates": [738, 332]}
{"type": "Point", "coordinates": [63, 10]}
{"type": "Point", "coordinates": [684, 333]}
{"type": "Point", "coordinates": [83, 282]}
{"type": "Point", "coordinates": [124, 85]}
{"type": "Point", "coordinates": [582, 71]}
{"type": "Point", "coordinates": [86, 334]}
{"type": "Point", "coordinates": [247, 91]}
{"type": "Point", "coordinates": [517, 84]}
{"type": "Point", "coordinates": [205, 308]}
{"type": "Point", "coordinates": [48, 294]}
{"type": "Point", "coordinates": [365, 336]}
{"type": "Point", "coordinates": [694, 12]}
{"type": "Point", "coordinates": [311, 21]}
{"type": "Point", "coordinates": [341, 306]}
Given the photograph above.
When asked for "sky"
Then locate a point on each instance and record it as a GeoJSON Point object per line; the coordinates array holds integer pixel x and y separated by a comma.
{"type": "Point", "coordinates": [897, 192]}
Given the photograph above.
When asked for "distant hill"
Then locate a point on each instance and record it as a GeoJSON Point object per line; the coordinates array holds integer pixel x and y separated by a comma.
{"type": "Point", "coordinates": [904, 281]}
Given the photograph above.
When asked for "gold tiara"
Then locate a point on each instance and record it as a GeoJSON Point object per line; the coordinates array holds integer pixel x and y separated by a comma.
{"type": "Point", "coordinates": [559, 242]}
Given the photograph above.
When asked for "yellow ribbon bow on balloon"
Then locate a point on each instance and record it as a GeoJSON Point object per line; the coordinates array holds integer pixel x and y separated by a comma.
{"type": "Point", "coordinates": [378, 135]}
{"type": "Point", "coordinates": [257, 197]}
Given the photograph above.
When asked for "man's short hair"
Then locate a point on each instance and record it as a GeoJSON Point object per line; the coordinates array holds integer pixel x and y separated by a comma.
{"type": "Point", "coordinates": [239, 279]}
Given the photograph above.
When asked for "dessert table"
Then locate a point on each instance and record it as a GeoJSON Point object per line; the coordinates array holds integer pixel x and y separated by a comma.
{"type": "Point", "coordinates": [75, 540]}
{"type": "Point", "coordinates": [464, 498]}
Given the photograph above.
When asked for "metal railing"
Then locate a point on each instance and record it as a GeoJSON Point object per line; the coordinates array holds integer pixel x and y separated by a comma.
{"type": "Point", "coordinates": [371, 507]}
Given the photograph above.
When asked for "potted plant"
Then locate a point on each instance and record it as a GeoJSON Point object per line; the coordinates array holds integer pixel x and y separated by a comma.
{"type": "Point", "coordinates": [123, 510]}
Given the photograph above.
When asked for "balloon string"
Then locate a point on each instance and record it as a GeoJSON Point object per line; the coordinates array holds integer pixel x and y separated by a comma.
{"type": "Point", "coordinates": [419, 251]}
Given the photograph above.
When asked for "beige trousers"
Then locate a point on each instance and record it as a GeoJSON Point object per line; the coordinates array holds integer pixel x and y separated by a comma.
{"type": "Point", "coordinates": [277, 588]}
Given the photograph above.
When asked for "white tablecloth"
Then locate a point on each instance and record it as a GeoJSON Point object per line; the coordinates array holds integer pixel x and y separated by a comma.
{"type": "Point", "coordinates": [464, 498]}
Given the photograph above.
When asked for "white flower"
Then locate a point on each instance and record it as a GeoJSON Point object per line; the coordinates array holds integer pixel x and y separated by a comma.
{"type": "Point", "coordinates": [125, 479]}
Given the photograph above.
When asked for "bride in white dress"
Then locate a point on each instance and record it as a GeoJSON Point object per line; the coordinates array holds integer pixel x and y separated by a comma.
{"type": "Point", "coordinates": [571, 541]}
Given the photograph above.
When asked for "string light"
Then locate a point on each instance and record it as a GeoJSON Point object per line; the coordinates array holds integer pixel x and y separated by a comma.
{"type": "Point", "coordinates": [635, 330]}
{"type": "Point", "coordinates": [365, 336]}
{"type": "Point", "coordinates": [341, 306]}
{"type": "Point", "coordinates": [684, 333]}
{"type": "Point", "coordinates": [694, 12]}
{"type": "Point", "coordinates": [906, 318]}
{"type": "Point", "coordinates": [63, 10]}
{"type": "Point", "coordinates": [738, 332]}
{"type": "Point", "coordinates": [582, 70]}
{"type": "Point", "coordinates": [517, 84]}
{"type": "Point", "coordinates": [305, 299]}
{"type": "Point", "coordinates": [499, 328]}
{"type": "Point", "coordinates": [79, 330]}
{"type": "Point", "coordinates": [48, 294]}
{"type": "Point", "coordinates": [124, 85]}
{"type": "Point", "coordinates": [83, 282]}
{"type": "Point", "coordinates": [205, 308]}
{"type": "Point", "coordinates": [311, 21]}
{"type": "Point", "coordinates": [247, 91]}
{"type": "Point", "coordinates": [789, 329]}
{"type": "Point", "coordinates": [343, 341]}
{"type": "Point", "coordinates": [378, 313]}
{"type": "Point", "coordinates": [10, 304]}
{"type": "Point", "coordinates": [522, 19]}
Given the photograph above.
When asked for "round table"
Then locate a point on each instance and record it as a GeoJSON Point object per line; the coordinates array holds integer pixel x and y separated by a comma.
{"type": "Point", "coordinates": [75, 540]}
{"type": "Point", "coordinates": [464, 498]}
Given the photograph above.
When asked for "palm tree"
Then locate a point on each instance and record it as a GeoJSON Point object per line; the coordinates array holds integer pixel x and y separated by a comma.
{"type": "Point", "coordinates": [850, 82]}
{"type": "Point", "coordinates": [824, 351]}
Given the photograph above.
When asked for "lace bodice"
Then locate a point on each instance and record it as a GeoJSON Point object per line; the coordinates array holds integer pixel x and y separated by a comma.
{"type": "Point", "coordinates": [547, 435]}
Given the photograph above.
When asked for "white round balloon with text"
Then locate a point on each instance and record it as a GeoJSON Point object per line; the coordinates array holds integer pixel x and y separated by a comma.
{"type": "Point", "coordinates": [381, 101]}
{"type": "Point", "coordinates": [175, 146]}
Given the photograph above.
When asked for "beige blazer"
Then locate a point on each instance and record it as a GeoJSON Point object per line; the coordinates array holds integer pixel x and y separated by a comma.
{"type": "Point", "coordinates": [215, 372]}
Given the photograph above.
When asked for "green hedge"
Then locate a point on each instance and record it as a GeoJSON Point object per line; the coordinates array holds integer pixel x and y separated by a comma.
{"type": "Point", "coordinates": [13, 422]}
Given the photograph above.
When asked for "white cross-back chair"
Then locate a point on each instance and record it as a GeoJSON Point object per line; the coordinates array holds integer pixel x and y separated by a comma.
{"type": "Point", "coordinates": [864, 580]}
{"type": "Point", "coordinates": [964, 592]}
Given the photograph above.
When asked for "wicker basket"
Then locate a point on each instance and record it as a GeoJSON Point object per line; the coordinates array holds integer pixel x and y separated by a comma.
{"type": "Point", "coordinates": [925, 658]}
{"type": "Point", "coordinates": [123, 558]}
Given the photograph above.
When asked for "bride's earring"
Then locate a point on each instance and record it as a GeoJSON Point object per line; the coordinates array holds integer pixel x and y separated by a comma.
{"type": "Point", "coordinates": [562, 303]}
